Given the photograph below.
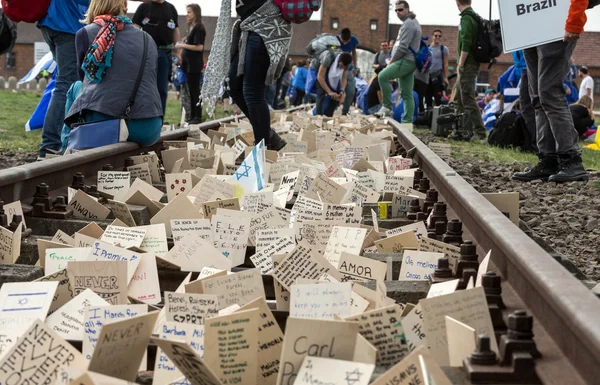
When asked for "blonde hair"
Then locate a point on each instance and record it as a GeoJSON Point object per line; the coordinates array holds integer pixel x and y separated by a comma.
{"type": "Point", "coordinates": [588, 103]}
{"type": "Point", "coordinates": [104, 7]}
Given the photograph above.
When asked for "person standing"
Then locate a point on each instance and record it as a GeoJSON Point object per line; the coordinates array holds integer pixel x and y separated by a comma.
{"type": "Point", "coordinates": [380, 58]}
{"type": "Point", "coordinates": [299, 82]}
{"type": "Point", "coordinates": [193, 60]}
{"type": "Point", "coordinates": [438, 72]}
{"type": "Point", "coordinates": [586, 88]}
{"type": "Point", "coordinates": [547, 66]}
{"type": "Point", "coordinates": [258, 59]}
{"type": "Point", "coordinates": [402, 65]}
{"type": "Point", "coordinates": [348, 43]}
{"type": "Point", "coordinates": [158, 18]}
{"type": "Point", "coordinates": [59, 26]}
{"type": "Point", "coordinates": [468, 69]}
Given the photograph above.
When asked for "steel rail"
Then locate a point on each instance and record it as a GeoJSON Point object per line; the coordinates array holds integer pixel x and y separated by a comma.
{"type": "Point", "coordinates": [566, 309]}
{"type": "Point", "coordinates": [18, 183]}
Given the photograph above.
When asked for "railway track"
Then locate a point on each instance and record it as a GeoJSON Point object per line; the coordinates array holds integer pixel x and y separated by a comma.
{"type": "Point", "coordinates": [566, 314]}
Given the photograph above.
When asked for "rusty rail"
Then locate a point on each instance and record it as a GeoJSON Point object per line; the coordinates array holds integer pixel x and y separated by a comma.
{"type": "Point", "coordinates": [566, 309]}
{"type": "Point", "coordinates": [17, 183]}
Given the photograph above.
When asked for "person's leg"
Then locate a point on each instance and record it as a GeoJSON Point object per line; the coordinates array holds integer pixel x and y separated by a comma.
{"type": "Point", "coordinates": [548, 160]}
{"type": "Point", "coordinates": [62, 46]}
{"type": "Point", "coordinates": [350, 92]}
{"type": "Point", "coordinates": [299, 96]}
{"type": "Point", "coordinates": [420, 88]}
{"type": "Point", "coordinates": [236, 86]}
{"type": "Point", "coordinates": [430, 95]}
{"type": "Point", "coordinates": [321, 96]}
{"type": "Point", "coordinates": [553, 67]}
{"type": "Point", "coordinates": [145, 132]}
{"type": "Point", "coordinates": [390, 72]}
{"type": "Point", "coordinates": [406, 82]}
{"type": "Point", "coordinates": [186, 100]}
{"type": "Point", "coordinates": [544, 138]}
{"type": "Point", "coordinates": [72, 94]}
{"type": "Point", "coordinates": [256, 65]}
{"type": "Point", "coordinates": [332, 105]}
{"type": "Point", "coordinates": [469, 103]}
{"type": "Point", "coordinates": [194, 87]}
{"type": "Point", "coordinates": [162, 78]}
{"type": "Point", "coordinates": [527, 111]}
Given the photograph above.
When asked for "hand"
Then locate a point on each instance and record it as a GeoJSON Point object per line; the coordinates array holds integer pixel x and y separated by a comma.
{"type": "Point", "coordinates": [568, 89]}
{"type": "Point", "coordinates": [178, 57]}
{"type": "Point", "coordinates": [461, 68]}
{"type": "Point", "coordinates": [341, 98]}
{"type": "Point", "coordinates": [570, 36]}
{"type": "Point", "coordinates": [179, 45]}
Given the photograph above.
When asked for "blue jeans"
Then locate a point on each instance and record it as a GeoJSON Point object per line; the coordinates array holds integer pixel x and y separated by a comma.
{"type": "Point", "coordinates": [62, 46]}
{"type": "Point", "coordinates": [325, 105]}
{"type": "Point", "coordinates": [162, 78]}
{"type": "Point", "coordinates": [249, 90]}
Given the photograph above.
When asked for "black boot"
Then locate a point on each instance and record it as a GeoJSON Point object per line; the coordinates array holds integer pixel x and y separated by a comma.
{"type": "Point", "coordinates": [548, 165]}
{"type": "Point", "coordinates": [276, 142]}
{"type": "Point", "coordinates": [570, 169]}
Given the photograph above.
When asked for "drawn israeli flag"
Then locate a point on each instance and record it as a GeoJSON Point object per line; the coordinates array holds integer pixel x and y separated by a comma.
{"type": "Point", "coordinates": [250, 176]}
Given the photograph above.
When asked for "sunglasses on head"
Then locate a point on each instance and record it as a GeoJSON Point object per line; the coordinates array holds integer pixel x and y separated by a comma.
{"type": "Point", "coordinates": [399, 9]}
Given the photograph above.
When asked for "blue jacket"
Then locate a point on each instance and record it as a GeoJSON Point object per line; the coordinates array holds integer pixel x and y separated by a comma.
{"type": "Point", "coordinates": [64, 15]}
{"type": "Point", "coordinates": [299, 80]}
{"type": "Point", "coordinates": [399, 108]}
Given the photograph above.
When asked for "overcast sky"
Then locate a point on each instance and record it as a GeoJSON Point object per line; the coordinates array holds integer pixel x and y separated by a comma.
{"type": "Point", "coordinates": [441, 12]}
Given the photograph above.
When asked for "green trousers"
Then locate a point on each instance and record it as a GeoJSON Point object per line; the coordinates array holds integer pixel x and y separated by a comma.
{"type": "Point", "coordinates": [403, 70]}
{"type": "Point", "coordinates": [465, 97]}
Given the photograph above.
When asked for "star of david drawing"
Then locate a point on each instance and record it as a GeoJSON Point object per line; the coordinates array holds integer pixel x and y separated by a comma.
{"type": "Point", "coordinates": [353, 377]}
{"type": "Point", "coordinates": [244, 173]}
{"type": "Point", "coordinates": [23, 301]}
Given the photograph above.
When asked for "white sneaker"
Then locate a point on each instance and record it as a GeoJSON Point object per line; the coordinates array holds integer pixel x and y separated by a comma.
{"type": "Point", "coordinates": [383, 112]}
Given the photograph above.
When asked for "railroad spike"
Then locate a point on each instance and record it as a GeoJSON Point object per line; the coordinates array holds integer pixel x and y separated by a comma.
{"type": "Point", "coordinates": [453, 233]}
{"type": "Point", "coordinates": [430, 199]}
{"type": "Point", "coordinates": [468, 258]}
{"type": "Point", "coordinates": [519, 338]}
{"type": "Point", "coordinates": [3, 216]}
{"type": "Point", "coordinates": [482, 366]}
{"type": "Point", "coordinates": [443, 272]}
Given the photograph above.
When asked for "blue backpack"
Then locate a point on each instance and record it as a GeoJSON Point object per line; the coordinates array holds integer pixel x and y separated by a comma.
{"type": "Point", "coordinates": [422, 57]}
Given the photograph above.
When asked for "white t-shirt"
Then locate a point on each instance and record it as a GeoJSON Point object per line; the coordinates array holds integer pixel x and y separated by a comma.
{"type": "Point", "coordinates": [586, 83]}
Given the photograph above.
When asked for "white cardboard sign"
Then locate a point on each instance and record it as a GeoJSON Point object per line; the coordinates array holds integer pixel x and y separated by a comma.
{"type": "Point", "coordinates": [530, 24]}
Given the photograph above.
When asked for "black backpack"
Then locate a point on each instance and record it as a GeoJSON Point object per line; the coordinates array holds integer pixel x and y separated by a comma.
{"type": "Point", "coordinates": [510, 131]}
{"type": "Point", "coordinates": [8, 33]}
{"type": "Point", "coordinates": [489, 39]}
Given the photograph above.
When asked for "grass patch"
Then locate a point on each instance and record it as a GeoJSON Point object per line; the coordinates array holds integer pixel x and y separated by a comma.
{"type": "Point", "coordinates": [591, 158]}
{"type": "Point", "coordinates": [18, 106]}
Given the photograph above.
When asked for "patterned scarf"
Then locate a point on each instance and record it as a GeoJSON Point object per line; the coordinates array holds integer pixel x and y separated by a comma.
{"type": "Point", "coordinates": [99, 56]}
{"type": "Point", "coordinates": [217, 66]}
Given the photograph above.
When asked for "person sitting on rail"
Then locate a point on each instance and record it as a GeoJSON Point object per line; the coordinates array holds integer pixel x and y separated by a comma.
{"type": "Point", "coordinates": [109, 53]}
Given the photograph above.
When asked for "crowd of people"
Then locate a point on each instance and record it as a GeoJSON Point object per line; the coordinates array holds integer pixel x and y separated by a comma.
{"type": "Point", "coordinates": [117, 68]}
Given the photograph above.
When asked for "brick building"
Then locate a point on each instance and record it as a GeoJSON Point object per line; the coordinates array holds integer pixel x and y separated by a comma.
{"type": "Point", "coordinates": [368, 20]}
